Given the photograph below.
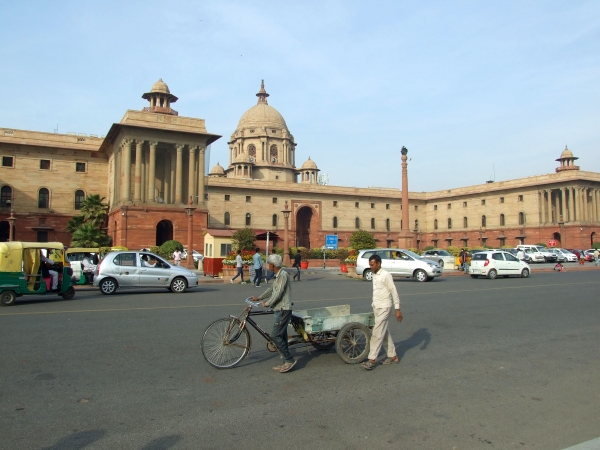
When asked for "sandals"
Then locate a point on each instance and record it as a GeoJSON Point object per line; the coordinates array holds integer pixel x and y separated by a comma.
{"type": "Point", "coordinates": [388, 361]}
{"type": "Point", "coordinates": [368, 365]}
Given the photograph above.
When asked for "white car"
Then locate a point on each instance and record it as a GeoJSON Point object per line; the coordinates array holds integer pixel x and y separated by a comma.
{"type": "Point", "coordinates": [197, 255]}
{"type": "Point", "coordinates": [442, 257]}
{"type": "Point", "coordinates": [569, 257]}
{"type": "Point", "coordinates": [493, 264]}
{"type": "Point", "coordinates": [533, 252]}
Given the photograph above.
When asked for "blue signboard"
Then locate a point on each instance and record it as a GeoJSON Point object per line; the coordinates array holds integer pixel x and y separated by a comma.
{"type": "Point", "coordinates": [331, 242]}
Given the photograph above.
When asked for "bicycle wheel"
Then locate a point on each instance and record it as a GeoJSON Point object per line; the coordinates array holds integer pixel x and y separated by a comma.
{"type": "Point", "coordinates": [225, 343]}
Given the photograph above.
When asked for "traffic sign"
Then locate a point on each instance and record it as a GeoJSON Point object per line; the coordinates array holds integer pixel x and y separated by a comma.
{"type": "Point", "coordinates": [552, 243]}
{"type": "Point", "coordinates": [331, 241]}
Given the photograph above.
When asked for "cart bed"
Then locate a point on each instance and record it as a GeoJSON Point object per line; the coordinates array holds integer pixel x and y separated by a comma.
{"type": "Point", "coordinates": [331, 318]}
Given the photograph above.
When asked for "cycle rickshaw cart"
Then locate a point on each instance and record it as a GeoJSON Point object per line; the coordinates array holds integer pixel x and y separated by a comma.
{"type": "Point", "coordinates": [226, 342]}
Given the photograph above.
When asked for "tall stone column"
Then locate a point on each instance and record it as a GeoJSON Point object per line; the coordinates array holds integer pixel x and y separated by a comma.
{"type": "Point", "coordinates": [173, 156]}
{"type": "Point", "coordinates": [179, 175]}
{"type": "Point", "coordinates": [191, 169]}
{"type": "Point", "coordinates": [594, 206]}
{"type": "Point", "coordinates": [137, 184]}
{"type": "Point", "coordinates": [570, 200]}
{"type": "Point", "coordinates": [556, 207]}
{"type": "Point", "coordinates": [201, 181]}
{"type": "Point", "coordinates": [543, 204]}
{"type": "Point", "coordinates": [563, 206]}
{"type": "Point", "coordinates": [576, 207]}
{"type": "Point", "coordinates": [584, 204]}
{"type": "Point", "coordinates": [405, 237]}
{"type": "Point", "coordinates": [126, 170]}
{"type": "Point", "coordinates": [151, 198]}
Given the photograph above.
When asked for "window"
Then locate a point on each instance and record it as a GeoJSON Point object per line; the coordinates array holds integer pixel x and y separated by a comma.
{"type": "Point", "coordinates": [449, 224]}
{"type": "Point", "coordinates": [501, 220]}
{"type": "Point", "coordinates": [248, 198]}
{"type": "Point", "coordinates": [335, 203]}
{"type": "Point", "coordinates": [42, 236]}
{"type": "Point", "coordinates": [251, 150]}
{"type": "Point", "coordinates": [356, 204]}
{"type": "Point", "coordinates": [387, 206]}
{"type": "Point", "coordinates": [372, 223]}
{"type": "Point", "coordinates": [387, 224]}
{"type": "Point", "coordinates": [227, 219]}
{"type": "Point", "coordinates": [501, 199]}
{"type": "Point", "coordinates": [465, 242]}
{"type": "Point", "coordinates": [449, 205]}
{"type": "Point", "coordinates": [248, 219]}
{"type": "Point", "coordinates": [125, 259]}
{"type": "Point", "coordinates": [465, 222]}
{"type": "Point", "coordinates": [464, 204]}
{"type": "Point", "coordinates": [44, 164]}
{"type": "Point", "coordinates": [79, 167]}
{"type": "Point", "coordinates": [416, 225]}
{"type": "Point", "coordinates": [357, 223]}
{"type": "Point", "coordinates": [497, 257]}
{"type": "Point", "coordinates": [335, 223]}
{"type": "Point", "coordinates": [510, 257]}
{"type": "Point", "coordinates": [372, 205]}
{"type": "Point", "coordinates": [435, 224]}
{"type": "Point", "coordinates": [8, 161]}
{"type": "Point", "coordinates": [227, 197]}
{"type": "Point", "coordinates": [435, 207]}
{"type": "Point", "coordinates": [416, 207]}
{"type": "Point", "coordinates": [6, 197]}
{"type": "Point", "coordinates": [79, 198]}
{"type": "Point", "coordinates": [520, 198]}
{"type": "Point", "coordinates": [521, 218]}
{"type": "Point", "coordinates": [274, 222]}
{"type": "Point", "coordinates": [225, 249]}
{"type": "Point", "coordinates": [43, 198]}
{"type": "Point", "coordinates": [483, 222]}
{"type": "Point", "coordinates": [483, 202]}
{"type": "Point", "coordinates": [484, 242]}
{"type": "Point", "coordinates": [502, 242]}
{"type": "Point", "coordinates": [273, 153]}
{"type": "Point", "coordinates": [274, 199]}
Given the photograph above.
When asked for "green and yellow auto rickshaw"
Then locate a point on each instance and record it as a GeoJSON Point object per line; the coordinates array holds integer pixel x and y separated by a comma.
{"type": "Point", "coordinates": [22, 271]}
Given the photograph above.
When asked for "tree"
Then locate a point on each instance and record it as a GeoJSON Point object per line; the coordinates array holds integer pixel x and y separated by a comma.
{"type": "Point", "coordinates": [87, 227]}
{"type": "Point", "coordinates": [94, 211]}
{"type": "Point", "coordinates": [243, 239]}
{"type": "Point", "coordinates": [74, 223]}
{"type": "Point", "coordinates": [89, 236]}
{"type": "Point", "coordinates": [362, 239]}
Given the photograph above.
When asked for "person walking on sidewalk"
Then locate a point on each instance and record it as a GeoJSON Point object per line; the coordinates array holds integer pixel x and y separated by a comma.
{"type": "Point", "coordinates": [240, 267]}
{"type": "Point", "coordinates": [258, 264]}
{"type": "Point", "coordinates": [297, 261]}
{"type": "Point", "coordinates": [596, 254]}
{"type": "Point", "coordinates": [177, 257]}
{"type": "Point", "coordinates": [279, 297]}
{"type": "Point", "coordinates": [385, 299]}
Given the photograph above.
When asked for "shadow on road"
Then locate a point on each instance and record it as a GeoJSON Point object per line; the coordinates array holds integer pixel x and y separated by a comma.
{"type": "Point", "coordinates": [420, 337]}
{"type": "Point", "coordinates": [163, 443]}
{"type": "Point", "coordinates": [78, 440]}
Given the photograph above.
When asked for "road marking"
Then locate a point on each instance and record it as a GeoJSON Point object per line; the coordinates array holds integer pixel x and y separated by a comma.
{"type": "Point", "coordinates": [594, 444]}
{"type": "Point", "coordinates": [151, 308]}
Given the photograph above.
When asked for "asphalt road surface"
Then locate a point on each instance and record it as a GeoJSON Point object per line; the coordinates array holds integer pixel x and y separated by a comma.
{"type": "Point", "coordinates": [503, 364]}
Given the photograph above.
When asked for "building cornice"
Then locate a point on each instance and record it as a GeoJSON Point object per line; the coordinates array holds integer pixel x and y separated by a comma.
{"type": "Point", "coordinates": [41, 139]}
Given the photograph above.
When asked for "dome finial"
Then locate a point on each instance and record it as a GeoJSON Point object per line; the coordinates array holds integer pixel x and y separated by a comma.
{"type": "Point", "coordinates": [262, 94]}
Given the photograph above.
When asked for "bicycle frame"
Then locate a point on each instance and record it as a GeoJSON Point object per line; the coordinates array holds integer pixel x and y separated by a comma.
{"type": "Point", "coordinates": [245, 318]}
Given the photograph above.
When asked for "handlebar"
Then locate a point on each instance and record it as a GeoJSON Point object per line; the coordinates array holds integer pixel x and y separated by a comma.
{"type": "Point", "coordinates": [251, 303]}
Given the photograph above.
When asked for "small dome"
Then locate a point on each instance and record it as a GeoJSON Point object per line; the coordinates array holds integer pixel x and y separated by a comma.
{"type": "Point", "coordinates": [309, 164]}
{"type": "Point", "coordinates": [160, 86]}
{"type": "Point", "coordinates": [566, 153]}
{"type": "Point", "coordinates": [217, 170]}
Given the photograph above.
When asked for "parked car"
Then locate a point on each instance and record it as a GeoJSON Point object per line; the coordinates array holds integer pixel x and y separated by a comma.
{"type": "Point", "coordinates": [492, 264]}
{"type": "Point", "coordinates": [514, 252]}
{"type": "Point", "coordinates": [398, 262]}
{"type": "Point", "coordinates": [536, 255]}
{"type": "Point", "coordinates": [589, 254]}
{"type": "Point", "coordinates": [196, 255]}
{"type": "Point", "coordinates": [560, 257]}
{"type": "Point", "coordinates": [442, 257]}
{"type": "Point", "coordinates": [139, 270]}
{"type": "Point", "coordinates": [578, 252]}
{"type": "Point", "coordinates": [569, 257]}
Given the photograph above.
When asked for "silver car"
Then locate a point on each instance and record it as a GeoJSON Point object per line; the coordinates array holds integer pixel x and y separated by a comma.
{"type": "Point", "coordinates": [398, 262]}
{"type": "Point", "coordinates": [130, 269]}
{"type": "Point", "coordinates": [442, 257]}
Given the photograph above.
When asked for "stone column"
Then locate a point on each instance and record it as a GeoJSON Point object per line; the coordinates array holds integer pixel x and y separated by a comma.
{"type": "Point", "coordinates": [191, 169]}
{"type": "Point", "coordinates": [556, 207]}
{"type": "Point", "coordinates": [570, 200]}
{"type": "Point", "coordinates": [594, 206]}
{"type": "Point", "coordinates": [576, 212]}
{"type": "Point", "coordinates": [584, 205]}
{"type": "Point", "coordinates": [179, 175]}
{"type": "Point", "coordinates": [137, 184]}
{"type": "Point", "coordinates": [167, 179]}
{"type": "Point", "coordinates": [201, 181]}
{"type": "Point", "coordinates": [152, 173]}
{"type": "Point", "coordinates": [563, 206]}
{"type": "Point", "coordinates": [126, 170]}
{"type": "Point", "coordinates": [543, 204]}
{"type": "Point", "coordinates": [173, 157]}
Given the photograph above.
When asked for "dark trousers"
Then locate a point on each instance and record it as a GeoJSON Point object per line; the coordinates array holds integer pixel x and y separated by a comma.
{"type": "Point", "coordinates": [280, 335]}
{"type": "Point", "coordinates": [257, 276]}
{"type": "Point", "coordinates": [297, 274]}
{"type": "Point", "coordinates": [240, 272]}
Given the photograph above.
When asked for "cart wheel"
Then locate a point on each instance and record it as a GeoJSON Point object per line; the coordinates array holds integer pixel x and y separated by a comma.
{"type": "Point", "coordinates": [225, 343]}
{"type": "Point", "coordinates": [322, 337]}
{"type": "Point", "coordinates": [7, 298]}
{"type": "Point", "coordinates": [69, 294]}
{"type": "Point", "coordinates": [352, 343]}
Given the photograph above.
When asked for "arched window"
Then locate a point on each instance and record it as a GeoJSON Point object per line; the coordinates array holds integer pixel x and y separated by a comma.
{"type": "Point", "coordinates": [245, 170]}
{"type": "Point", "coordinates": [465, 222]}
{"type": "Point", "coordinates": [273, 154]}
{"type": "Point", "coordinates": [248, 219]}
{"type": "Point", "coordinates": [275, 220]}
{"type": "Point", "coordinates": [372, 223]}
{"type": "Point", "coordinates": [483, 221]}
{"type": "Point", "coordinates": [387, 224]}
{"type": "Point", "coordinates": [227, 219]}
{"type": "Point", "coordinates": [501, 220]}
{"type": "Point", "coordinates": [79, 198]}
{"type": "Point", "coordinates": [449, 224]}
{"type": "Point", "coordinates": [357, 223]}
{"type": "Point", "coordinates": [251, 150]}
{"type": "Point", "coordinates": [416, 224]}
{"type": "Point", "coordinates": [521, 218]}
{"type": "Point", "coordinates": [6, 197]}
{"type": "Point", "coordinates": [435, 225]}
{"type": "Point", "coordinates": [335, 222]}
{"type": "Point", "coordinates": [43, 198]}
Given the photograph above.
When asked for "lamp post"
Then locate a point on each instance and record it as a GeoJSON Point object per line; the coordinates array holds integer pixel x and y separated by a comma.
{"type": "Point", "coordinates": [286, 238]}
{"type": "Point", "coordinates": [189, 210]}
{"type": "Point", "coordinates": [11, 225]}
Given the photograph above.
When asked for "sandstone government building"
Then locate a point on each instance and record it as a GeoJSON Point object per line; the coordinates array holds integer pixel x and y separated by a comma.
{"type": "Point", "coordinates": [153, 160]}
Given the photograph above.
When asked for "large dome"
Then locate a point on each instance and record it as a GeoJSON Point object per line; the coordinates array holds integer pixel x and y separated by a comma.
{"type": "Point", "coordinates": [262, 115]}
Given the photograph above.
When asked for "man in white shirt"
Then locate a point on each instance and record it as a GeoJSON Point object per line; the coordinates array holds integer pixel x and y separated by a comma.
{"type": "Point", "coordinates": [177, 257]}
{"type": "Point", "coordinates": [521, 255]}
{"type": "Point", "coordinates": [239, 262]}
{"type": "Point", "coordinates": [385, 298]}
{"type": "Point", "coordinates": [53, 273]}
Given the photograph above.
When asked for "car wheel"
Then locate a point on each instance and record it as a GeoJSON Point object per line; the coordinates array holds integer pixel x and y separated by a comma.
{"type": "Point", "coordinates": [474, 276]}
{"type": "Point", "coordinates": [69, 294]}
{"type": "Point", "coordinates": [368, 275]}
{"type": "Point", "coordinates": [492, 274]}
{"type": "Point", "coordinates": [420, 275]}
{"type": "Point", "coordinates": [178, 285]}
{"type": "Point", "coordinates": [441, 263]}
{"type": "Point", "coordinates": [525, 273]}
{"type": "Point", "coordinates": [108, 286]}
{"type": "Point", "coordinates": [7, 298]}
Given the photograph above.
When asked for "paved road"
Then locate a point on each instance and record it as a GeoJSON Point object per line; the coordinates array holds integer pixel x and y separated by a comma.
{"type": "Point", "coordinates": [509, 363]}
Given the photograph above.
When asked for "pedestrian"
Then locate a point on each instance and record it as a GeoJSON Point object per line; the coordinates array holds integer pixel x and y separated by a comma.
{"type": "Point", "coordinates": [596, 254]}
{"type": "Point", "coordinates": [559, 267]}
{"type": "Point", "coordinates": [177, 257]}
{"type": "Point", "coordinates": [258, 263]}
{"type": "Point", "coordinates": [463, 260]}
{"type": "Point", "coordinates": [297, 261]}
{"type": "Point", "coordinates": [521, 255]}
{"type": "Point", "coordinates": [279, 297]}
{"type": "Point", "coordinates": [385, 299]}
{"type": "Point", "coordinates": [581, 258]}
{"type": "Point", "coordinates": [240, 267]}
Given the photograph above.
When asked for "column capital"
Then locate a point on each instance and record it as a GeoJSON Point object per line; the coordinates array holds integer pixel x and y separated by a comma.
{"type": "Point", "coordinates": [180, 147]}
{"type": "Point", "coordinates": [192, 147]}
{"type": "Point", "coordinates": [126, 141]}
{"type": "Point", "coordinates": [139, 142]}
{"type": "Point", "coordinates": [153, 143]}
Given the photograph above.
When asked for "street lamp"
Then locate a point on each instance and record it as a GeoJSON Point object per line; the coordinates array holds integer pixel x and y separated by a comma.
{"type": "Point", "coordinates": [189, 210]}
{"type": "Point", "coordinates": [286, 238]}
{"type": "Point", "coordinates": [11, 224]}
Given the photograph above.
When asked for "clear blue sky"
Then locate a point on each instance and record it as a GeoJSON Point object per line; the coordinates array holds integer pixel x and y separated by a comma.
{"type": "Point", "coordinates": [465, 86]}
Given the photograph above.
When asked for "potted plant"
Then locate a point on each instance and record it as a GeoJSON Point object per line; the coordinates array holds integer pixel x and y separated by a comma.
{"type": "Point", "coordinates": [305, 255]}
{"type": "Point", "coordinates": [342, 254]}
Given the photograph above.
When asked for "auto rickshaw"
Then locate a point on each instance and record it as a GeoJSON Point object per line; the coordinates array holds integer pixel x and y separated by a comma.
{"type": "Point", "coordinates": [21, 271]}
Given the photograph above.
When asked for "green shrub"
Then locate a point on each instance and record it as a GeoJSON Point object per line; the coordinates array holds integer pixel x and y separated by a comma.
{"type": "Point", "coordinates": [342, 254]}
{"type": "Point", "coordinates": [454, 251]}
{"type": "Point", "coordinates": [278, 251]}
{"type": "Point", "coordinates": [243, 239]}
{"type": "Point", "coordinates": [596, 245]}
{"type": "Point", "coordinates": [362, 239]}
{"type": "Point", "coordinates": [429, 247]}
{"type": "Point", "coordinates": [156, 250]}
{"type": "Point", "coordinates": [166, 250]}
{"type": "Point", "coordinates": [305, 253]}
{"type": "Point", "coordinates": [415, 250]}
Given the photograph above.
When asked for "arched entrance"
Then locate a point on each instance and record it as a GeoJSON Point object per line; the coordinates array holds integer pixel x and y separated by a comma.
{"type": "Point", "coordinates": [556, 237]}
{"type": "Point", "coordinates": [303, 222]}
{"type": "Point", "coordinates": [164, 232]}
{"type": "Point", "coordinates": [4, 231]}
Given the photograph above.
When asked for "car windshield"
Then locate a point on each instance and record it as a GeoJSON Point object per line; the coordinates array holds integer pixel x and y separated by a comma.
{"type": "Point", "coordinates": [443, 253]}
{"type": "Point", "coordinates": [479, 256]}
{"type": "Point", "coordinates": [411, 254]}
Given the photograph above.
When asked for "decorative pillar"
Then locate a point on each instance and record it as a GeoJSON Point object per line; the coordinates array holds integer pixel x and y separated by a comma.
{"type": "Point", "coordinates": [191, 169]}
{"type": "Point", "coordinates": [179, 175]}
{"type": "Point", "coordinates": [584, 208]}
{"type": "Point", "coordinates": [189, 210]}
{"type": "Point", "coordinates": [137, 184]}
{"type": "Point", "coordinates": [286, 238]}
{"type": "Point", "coordinates": [11, 225]}
{"type": "Point", "coordinates": [167, 179]}
{"type": "Point", "coordinates": [151, 197]}
{"type": "Point", "coordinates": [126, 170]}
{"type": "Point", "coordinates": [556, 208]}
{"type": "Point", "coordinates": [201, 181]}
{"type": "Point", "coordinates": [543, 207]}
{"type": "Point", "coordinates": [594, 206]}
{"type": "Point", "coordinates": [570, 206]}
{"type": "Point", "coordinates": [172, 175]}
{"type": "Point", "coordinates": [405, 237]}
